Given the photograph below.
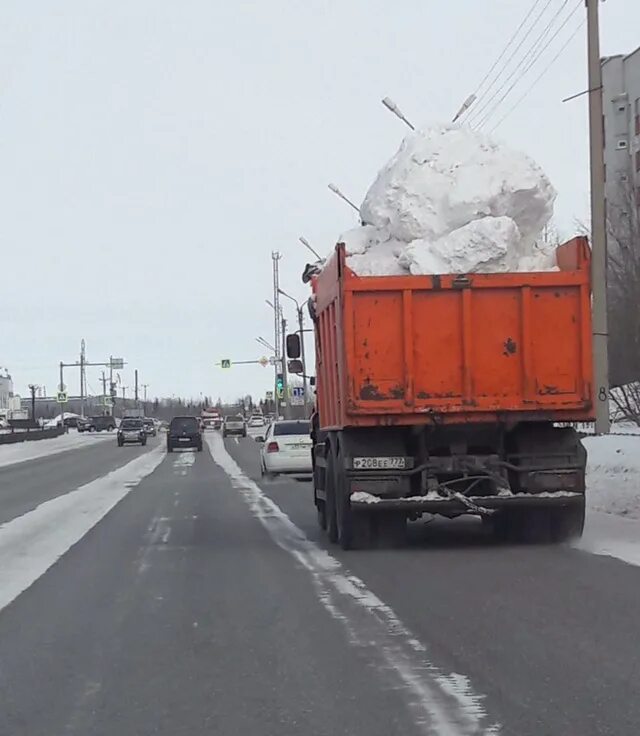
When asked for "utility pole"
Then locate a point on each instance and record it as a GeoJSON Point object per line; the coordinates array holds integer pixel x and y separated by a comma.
{"type": "Point", "coordinates": [136, 386]}
{"type": "Point", "coordinates": [112, 388]}
{"type": "Point", "coordinates": [32, 388]}
{"type": "Point", "coordinates": [598, 223]}
{"type": "Point", "coordinates": [285, 390]}
{"type": "Point", "coordinates": [124, 393]}
{"type": "Point", "coordinates": [104, 384]}
{"type": "Point", "coordinates": [82, 377]}
{"type": "Point", "coordinates": [277, 316]}
{"type": "Point", "coordinates": [304, 361]}
{"type": "Point", "coordinates": [145, 386]}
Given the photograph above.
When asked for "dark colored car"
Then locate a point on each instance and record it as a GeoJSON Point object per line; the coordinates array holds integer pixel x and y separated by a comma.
{"type": "Point", "coordinates": [131, 430]}
{"type": "Point", "coordinates": [184, 432]}
{"type": "Point", "coordinates": [97, 424]}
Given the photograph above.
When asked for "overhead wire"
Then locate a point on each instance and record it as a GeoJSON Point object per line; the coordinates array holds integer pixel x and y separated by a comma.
{"type": "Point", "coordinates": [532, 53]}
{"type": "Point", "coordinates": [530, 64]}
{"type": "Point", "coordinates": [539, 77]}
{"type": "Point", "coordinates": [515, 51]}
{"type": "Point", "coordinates": [506, 48]}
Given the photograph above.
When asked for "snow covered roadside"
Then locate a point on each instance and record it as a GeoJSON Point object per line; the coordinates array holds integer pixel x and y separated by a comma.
{"type": "Point", "coordinates": [613, 474]}
{"type": "Point", "coordinates": [31, 544]}
{"type": "Point", "coordinates": [613, 498]}
{"type": "Point", "coordinates": [23, 451]}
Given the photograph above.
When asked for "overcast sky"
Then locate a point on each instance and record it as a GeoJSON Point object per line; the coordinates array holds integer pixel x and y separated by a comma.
{"type": "Point", "coordinates": [153, 153]}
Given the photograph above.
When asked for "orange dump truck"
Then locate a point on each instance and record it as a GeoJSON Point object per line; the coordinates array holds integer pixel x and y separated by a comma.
{"type": "Point", "coordinates": [443, 394]}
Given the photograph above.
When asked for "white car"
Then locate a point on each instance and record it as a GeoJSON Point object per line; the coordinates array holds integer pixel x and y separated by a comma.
{"type": "Point", "coordinates": [286, 449]}
{"type": "Point", "coordinates": [257, 420]}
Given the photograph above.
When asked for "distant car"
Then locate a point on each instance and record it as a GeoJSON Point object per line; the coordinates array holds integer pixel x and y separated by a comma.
{"type": "Point", "coordinates": [211, 421]}
{"type": "Point", "coordinates": [96, 424]}
{"type": "Point", "coordinates": [235, 425]}
{"type": "Point", "coordinates": [286, 449]}
{"type": "Point", "coordinates": [184, 432]}
{"type": "Point", "coordinates": [131, 430]}
{"type": "Point", "coordinates": [150, 427]}
{"type": "Point", "coordinates": [257, 420]}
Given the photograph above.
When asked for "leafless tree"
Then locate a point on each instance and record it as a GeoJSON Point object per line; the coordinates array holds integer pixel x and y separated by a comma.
{"type": "Point", "coordinates": [623, 273]}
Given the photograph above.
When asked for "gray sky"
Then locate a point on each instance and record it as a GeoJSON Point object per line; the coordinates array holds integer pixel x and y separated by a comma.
{"type": "Point", "coordinates": [153, 153]}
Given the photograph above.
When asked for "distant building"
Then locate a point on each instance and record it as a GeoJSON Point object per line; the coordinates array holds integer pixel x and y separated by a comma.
{"type": "Point", "coordinates": [621, 102]}
{"type": "Point", "coordinates": [6, 389]}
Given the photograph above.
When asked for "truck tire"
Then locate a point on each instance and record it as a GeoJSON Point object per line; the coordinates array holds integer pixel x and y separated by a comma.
{"type": "Point", "coordinates": [390, 530]}
{"type": "Point", "coordinates": [567, 523]}
{"type": "Point", "coordinates": [522, 526]}
{"type": "Point", "coordinates": [321, 515]}
{"type": "Point", "coordinates": [332, 521]}
{"type": "Point", "coordinates": [354, 528]}
{"type": "Point", "coordinates": [534, 527]}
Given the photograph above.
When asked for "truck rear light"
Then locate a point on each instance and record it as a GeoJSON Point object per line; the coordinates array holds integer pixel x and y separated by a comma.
{"type": "Point", "coordinates": [273, 447]}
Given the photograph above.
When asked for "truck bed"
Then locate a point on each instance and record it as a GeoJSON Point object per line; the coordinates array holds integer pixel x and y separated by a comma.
{"type": "Point", "coordinates": [452, 348]}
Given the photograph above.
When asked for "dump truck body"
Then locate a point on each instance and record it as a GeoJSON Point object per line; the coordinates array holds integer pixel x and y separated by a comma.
{"type": "Point", "coordinates": [440, 394]}
{"type": "Point", "coordinates": [451, 349]}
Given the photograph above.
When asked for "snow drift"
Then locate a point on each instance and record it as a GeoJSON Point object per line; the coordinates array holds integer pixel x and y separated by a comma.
{"type": "Point", "coordinates": [451, 200]}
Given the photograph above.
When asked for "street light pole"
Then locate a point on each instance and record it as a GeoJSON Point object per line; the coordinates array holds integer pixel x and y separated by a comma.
{"type": "Point", "coordinates": [300, 312]}
{"type": "Point", "coordinates": [285, 392]}
{"type": "Point", "coordinates": [343, 197]}
{"type": "Point", "coordinates": [265, 344]}
{"type": "Point", "coordinates": [392, 107]}
{"type": "Point", "coordinates": [308, 246]}
{"type": "Point", "coordinates": [598, 223]}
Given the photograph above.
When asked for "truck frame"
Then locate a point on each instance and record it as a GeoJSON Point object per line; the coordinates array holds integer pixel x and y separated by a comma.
{"type": "Point", "coordinates": [452, 394]}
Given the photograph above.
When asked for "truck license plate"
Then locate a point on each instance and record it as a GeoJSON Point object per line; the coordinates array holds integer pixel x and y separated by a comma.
{"type": "Point", "coordinates": [379, 463]}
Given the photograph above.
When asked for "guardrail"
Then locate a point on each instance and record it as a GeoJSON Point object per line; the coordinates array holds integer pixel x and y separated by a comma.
{"type": "Point", "coordinates": [28, 435]}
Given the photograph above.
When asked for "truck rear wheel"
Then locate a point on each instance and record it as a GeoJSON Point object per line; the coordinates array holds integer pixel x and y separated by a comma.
{"type": "Point", "coordinates": [321, 511]}
{"type": "Point", "coordinates": [390, 530]}
{"type": "Point", "coordinates": [330, 504]}
{"type": "Point", "coordinates": [522, 526]}
{"type": "Point", "coordinates": [354, 529]}
{"type": "Point", "coordinates": [567, 523]}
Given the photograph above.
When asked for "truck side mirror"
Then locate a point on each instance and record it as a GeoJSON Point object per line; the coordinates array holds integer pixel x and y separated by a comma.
{"type": "Point", "coordinates": [295, 366]}
{"type": "Point", "coordinates": [293, 346]}
{"type": "Point", "coordinates": [312, 380]}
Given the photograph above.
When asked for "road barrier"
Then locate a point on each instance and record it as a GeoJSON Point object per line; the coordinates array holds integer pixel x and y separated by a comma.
{"type": "Point", "coordinates": [28, 435]}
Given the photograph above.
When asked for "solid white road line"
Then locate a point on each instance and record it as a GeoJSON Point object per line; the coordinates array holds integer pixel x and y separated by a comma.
{"type": "Point", "coordinates": [30, 544]}
{"type": "Point", "coordinates": [443, 703]}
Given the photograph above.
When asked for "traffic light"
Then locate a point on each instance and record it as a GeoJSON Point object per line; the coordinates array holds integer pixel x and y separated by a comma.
{"type": "Point", "coordinates": [280, 385]}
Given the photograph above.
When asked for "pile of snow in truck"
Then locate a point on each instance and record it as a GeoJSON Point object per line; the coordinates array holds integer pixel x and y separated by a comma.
{"type": "Point", "coordinates": [452, 200]}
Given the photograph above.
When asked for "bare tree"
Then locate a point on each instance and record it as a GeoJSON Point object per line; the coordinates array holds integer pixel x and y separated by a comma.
{"type": "Point", "coordinates": [623, 290]}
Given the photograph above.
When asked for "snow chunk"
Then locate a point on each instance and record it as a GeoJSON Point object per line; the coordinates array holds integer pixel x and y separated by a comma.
{"type": "Point", "coordinates": [452, 200]}
{"type": "Point", "coordinates": [488, 245]}
{"type": "Point", "coordinates": [444, 177]}
{"type": "Point", "coordinates": [379, 260]}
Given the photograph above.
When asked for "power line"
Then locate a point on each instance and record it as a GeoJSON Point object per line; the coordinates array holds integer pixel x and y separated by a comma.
{"type": "Point", "coordinates": [479, 112]}
{"type": "Point", "coordinates": [539, 77]}
{"type": "Point", "coordinates": [515, 51]}
{"type": "Point", "coordinates": [529, 65]}
{"type": "Point", "coordinates": [506, 48]}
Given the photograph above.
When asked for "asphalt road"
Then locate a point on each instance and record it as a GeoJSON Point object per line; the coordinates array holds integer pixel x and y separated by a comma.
{"type": "Point", "coordinates": [205, 603]}
{"type": "Point", "coordinates": [24, 486]}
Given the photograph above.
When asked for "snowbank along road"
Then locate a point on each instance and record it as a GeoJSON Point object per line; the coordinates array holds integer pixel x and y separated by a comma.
{"type": "Point", "coordinates": [153, 593]}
